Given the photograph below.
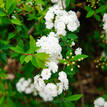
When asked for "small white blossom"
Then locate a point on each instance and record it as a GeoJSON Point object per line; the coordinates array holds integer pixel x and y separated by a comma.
{"type": "Point", "coordinates": [25, 86]}
{"type": "Point", "coordinates": [39, 83]}
{"type": "Point", "coordinates": [59, 88]}
{"type": "Point", "coordinates": [78, 51]}
{"type": "Point", "coordinates": [49, 24]}
{"type": "Point", "coordinates": [63, 78]}
{"type": "Point", "coordinates": [105, 22]}
{"type": "Point", "coordinates": [99, 102]}
{"type": "Point", "coordinates": [52, 66]}
{"type": "Point", "coordinates": [73, 44]}
{"type": "Point", "coordinates": [46, 74]}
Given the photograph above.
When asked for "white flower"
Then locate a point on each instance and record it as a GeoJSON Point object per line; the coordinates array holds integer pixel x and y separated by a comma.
{"type": "Point", "coordinates": [61, 32]}
{"type": "Point", "coordinates": [49, 45]}
{"type": "Point", "coordinates": [39, 83]}
{"type": "Point", "coordinates": [51, 90]}
{"type": "Point", "coordinates": [105, 104]}
{"type": "Point", "coordinates": [78, 51]}
{"type": "Point", "coordinates": [105, 22]}
{"type": "Point", "coordinates": [59, 26]}
{"type": "Point", "coordinates": [65, 84]}
{"type": "Point", "coordinates": [25, 86]}
{"type": "Point", "coordinates": [105, 18]}
{"type": "Point", "coordinates": [30, 89]}
{"type": "Point", "coordinates": [52, 34]}
{"type": "Point", "coordinates": [49, 24]}
{"type": "Point", "coordinates": [49, 16]}
{"type": "Point", "coordinates": [73, 44]}
{"type": "Point", "coordinates": [14, 17]}
{"type": "Point", "coordinates": [59, 88]}
{"type": "Point", "coordinates": [99, 102]}
{"type": "Point", "coordinates": [54, 1]}
{"type": "Point", "coordinates": [45, 96]}
{"type": "Point", "coordinates": [46, 74]}
{"type": "Point", "coordinates": [63, 78]}
{"type": "Point", "coordinates": [52, 66]}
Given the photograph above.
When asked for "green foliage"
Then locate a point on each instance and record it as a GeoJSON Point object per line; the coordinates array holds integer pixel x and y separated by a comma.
{"type": "Point", "coordinates": [10, 5]}
{"type": "Point", "coordinates": [19, 20]}
{"type": "Point", "coordinates": [73, 97]}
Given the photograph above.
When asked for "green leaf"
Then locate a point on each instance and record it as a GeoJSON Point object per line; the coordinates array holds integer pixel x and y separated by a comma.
{"type": "Point", "coordinates": [2, 4]}
{"type": "Point", "coordinates": [40, 2]}
{"type": "Point", "coordinates": [43, 56]}
{"type": "Point", "coordinates": [74, 97]}
{"type": "Point", "coordinates": [3, 56]}
{"type": "Point", "coordinates": [16, 22]}
{"type": "Point", "coordinates": [28, 58]}
{"type": "Point", "coordinates": [2, 13]}
{"type": "Point", "coordinates": [10, 36]}
{"type": "Point", "coordinates": [2, 99]}
{"type": "Point", "coordinates": [69, 104]}
{"type": "Point", "coordinates": [10, 5]}
{"type": "Point", "coordinates": [37, 62]}
{"type": "Point", "coordinates": [98, 18]}
{"type": "Point", "coordinates": [22, 59]}
{"type": "Point", "coordinates": [90, 13]}
{"type": "Point", "coordinates": [33, 47]}
{"type": "Point", "coordinates": [2, 74]}
{"type": "Point", "coordinates": [79, 57]}
{"type": "Point", "coordinates": [71, 36]}
{"type": "Point", "coordinates": [4, 46]}
{"type": "Point", "coordinates": [101, 9]}
{"type": "Point", "coordinates": [67, 3]}
{"type": "Point", "coordinates": [17, 49]}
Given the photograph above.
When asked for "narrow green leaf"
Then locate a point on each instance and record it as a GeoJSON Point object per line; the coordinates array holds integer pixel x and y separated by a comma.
{"type": "Point", "coordinates": [17, 49]}
{"type": "Point", "coordinates": [16, 22]}
{"type": "Point", "coordinates": [74, 97]}
{"type": "Point", "coordinates": [32, 45]}
{"type": "Point", "coordinates": [79, 57]}
{"type": "Point", "coordinates": [2, 99]}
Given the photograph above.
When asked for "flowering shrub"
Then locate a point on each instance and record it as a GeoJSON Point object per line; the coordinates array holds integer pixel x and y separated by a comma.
{"type": "Point", "coordinates": [40, 51]}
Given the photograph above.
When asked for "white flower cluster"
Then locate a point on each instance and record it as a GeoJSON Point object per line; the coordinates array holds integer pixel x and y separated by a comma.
{"type": "Point", "coordinates": [39, 87]}
{"type": "Point", "coordinates": [105, 22]}
{"type": "Point", "coordinates": [61, 20]}
{"type": "Point", "coordinates": [50, 90]}
{"type": "Point", "coordinates": [50, 45]}
{"type": "Point", "coordinates": [100, 102]}
{"type": "Point", "coordinates": [25, 86]}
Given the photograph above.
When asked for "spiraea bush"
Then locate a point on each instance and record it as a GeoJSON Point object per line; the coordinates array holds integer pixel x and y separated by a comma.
{"type": "Point", "coordinates": [41, 50]}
